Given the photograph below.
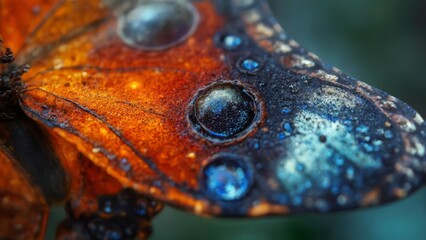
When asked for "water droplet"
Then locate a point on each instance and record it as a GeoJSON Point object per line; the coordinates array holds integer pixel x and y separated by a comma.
{"type": "Point", "coordinates": [225, 110]}
{"type": "Point", "coordinates": [231, 42]}
{"type": "Point", "coordinates": [342, 199]}
{"type": "Point", "coordinates": [226, 179]}
{"type": "Point", "coordinates": [108, 205]}
{"type": "Point", "coordinates": [281, 136]}
{"type": "Point", "coordinates": [350, 173]}
{"type": "Point", "coordinates": [249, 65]}
{"type": "Point", "coordinates": [125, 165]}
{"type": "Point", "coordinates": [339, 161]}
{"type": "Point", "coordinates": [288, 127]}
{"type": "Point", "coordinates": [157, 25]}
{"type": "Point", "coordinates": [377, 143]}
{"type": "Point", "coordinates": [325, 181]}
{"type": "Point", "coordinates": [367, 147]}
{"type": "Point", "coordinates": [380, 131]}
{"type": "Point", "coordinates": [362, 129]}
{"type": "Point", "coordinates": [388, 134]}
{"type": "Point", "coordinates": [286, 110]}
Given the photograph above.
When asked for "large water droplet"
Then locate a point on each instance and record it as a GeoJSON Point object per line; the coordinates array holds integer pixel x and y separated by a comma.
{"type": "Point", "coordinates": [157, 25]}
{"type": "Point", "coordinates": [226, 179]}
{"type": "Point", "coordinates": [225, 110]}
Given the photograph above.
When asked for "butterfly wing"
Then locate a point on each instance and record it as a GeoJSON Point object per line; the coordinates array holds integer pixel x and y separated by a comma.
{"type": "Point", "coordinates": [18, 21]}
{"type": "Point", "coordinates": [20, 204]}
{"type": "Point", "coordinates": [23, 208]}
{"type": "Point", "coordinates": [142, 92]}
{"type": "Point", "coordinates": [235, 120]}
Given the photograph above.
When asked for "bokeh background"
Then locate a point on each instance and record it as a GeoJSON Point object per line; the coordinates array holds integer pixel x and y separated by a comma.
{"type": "Point", "coordinates": [382, 42]}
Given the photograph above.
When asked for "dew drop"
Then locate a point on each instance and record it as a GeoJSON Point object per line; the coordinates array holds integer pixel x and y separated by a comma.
{"type": "Point", "coordinates": [388, 134]}
{"type": "Point", "coordinates": [225, 179]}
{"type": "Point", "coordinates": [288, 127]}
{"type": "Point", "coordinates": [225, 110]}
{"type": "Point", "coordinates": [231, 42]}
{"type": "Point", "coordinates": [108, 205]}
{"type": "Point", "coordinates": [125, 165]}
{"type": "Point", "coordinates": [250, 65]}
{"type": "Point", "coordinates": [342, 199]}
{"type": "Point", "coordinates": [362, 129]}
{"type": "Point", "coordinates": [286, 110]}
{"type": "Point", "coordinates": [158, 25]}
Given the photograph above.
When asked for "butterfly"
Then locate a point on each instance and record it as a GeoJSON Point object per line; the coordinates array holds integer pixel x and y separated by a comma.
{"type": "Point", "coordinates": [206, 105]}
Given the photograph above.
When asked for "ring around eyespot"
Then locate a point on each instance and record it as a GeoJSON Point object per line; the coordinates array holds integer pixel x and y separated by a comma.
{"type": "Point", "coordinates": [227, 177]}
{"type": "Point", "coordinates": [225, 111]}
{"type": "Point", "coordinates": [157, 25]}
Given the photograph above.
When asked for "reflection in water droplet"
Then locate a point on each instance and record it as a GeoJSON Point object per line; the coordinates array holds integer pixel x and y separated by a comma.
{"type": "Point", "coordinates": [225, 110]}
{"type": "Point", "coordinates": [225, 179]}
{"type": "Point", "coordinates": [157, 25]}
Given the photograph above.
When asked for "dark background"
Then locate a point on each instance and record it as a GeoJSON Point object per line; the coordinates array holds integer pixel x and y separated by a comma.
{"type": "Point", "coordinates": [381, 42]}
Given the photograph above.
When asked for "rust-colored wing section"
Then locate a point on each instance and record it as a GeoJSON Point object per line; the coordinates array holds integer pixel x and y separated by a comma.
{"type": "Point", "coordinates": [21, 19]}
{"type": "Point", "coordinates": [23, 212]}
{"type": "Point", "coordinates": [125, 109]}
{"type": "Point", "coordinates": [34, 27]}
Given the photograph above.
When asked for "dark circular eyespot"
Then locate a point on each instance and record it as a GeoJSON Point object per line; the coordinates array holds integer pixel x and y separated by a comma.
{"type": "Point", "coordinates": [157, 25]}
{"type": "Point", "coordinates": [249, 65]}
{"type": "Point", "coordinates": [224, 111]}
{"type": "Point", "coordinates": [226, 178]}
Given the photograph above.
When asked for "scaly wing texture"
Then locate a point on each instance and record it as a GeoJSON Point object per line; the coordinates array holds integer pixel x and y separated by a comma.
{"type": "Point", "coordinates": [33, 27]}
{"type": "Point", "coordinates": [130, 121]}
{"type": "Point", "coordinates": [236, 120]}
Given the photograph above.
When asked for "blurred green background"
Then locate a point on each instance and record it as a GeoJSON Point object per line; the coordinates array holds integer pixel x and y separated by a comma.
{"type": "Point", "coordinates": [381, 42]}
